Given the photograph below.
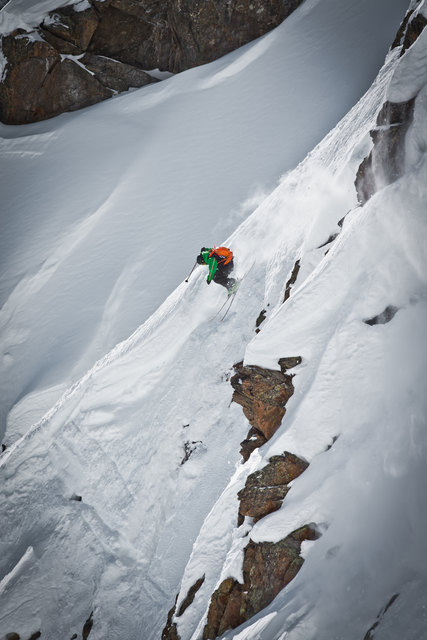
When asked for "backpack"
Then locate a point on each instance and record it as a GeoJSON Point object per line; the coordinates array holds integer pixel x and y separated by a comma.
{"type": "Point", "coordinates": [223, 254]}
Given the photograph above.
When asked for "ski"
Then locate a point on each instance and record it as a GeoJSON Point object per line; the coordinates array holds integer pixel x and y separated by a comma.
{"type": "Point", "coordinates": [231, 300]}
{"type": "Point", "coordinates": [221, 307]}
{"type": "Point", "coordinates": [231, 296]}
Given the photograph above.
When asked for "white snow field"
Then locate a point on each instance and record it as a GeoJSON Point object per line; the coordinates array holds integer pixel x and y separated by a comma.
{"type": "Point", "coordinates": [147, 521]}
{"type": "Point", "coordinates": [105, 210]}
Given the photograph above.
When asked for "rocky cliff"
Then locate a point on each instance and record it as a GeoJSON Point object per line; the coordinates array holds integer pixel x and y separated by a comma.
{"type": "Point", "coordinates": [87, 52]}
{"type": "Point", "coordinates": [267, 567]}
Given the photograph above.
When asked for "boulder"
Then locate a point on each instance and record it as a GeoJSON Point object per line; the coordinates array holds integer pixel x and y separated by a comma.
{"type": "Point", "coordinates": [265, 490]}
{"type": "Point", "coordinates": [267, 568]}
{"type": "Point", "coordinates": [263, 394]}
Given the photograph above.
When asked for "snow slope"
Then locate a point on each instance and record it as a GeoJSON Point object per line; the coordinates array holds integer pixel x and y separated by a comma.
{"type": "Point", "coordinates": [117, 436]}
{"type": "Point", "coordinates": [104, 210]}
{"type": "Point", "coordinates": [362, 383]}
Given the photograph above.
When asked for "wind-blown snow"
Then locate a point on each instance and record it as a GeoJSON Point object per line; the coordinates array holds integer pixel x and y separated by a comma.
{"type": "Point", "coordinates": [117, 436]}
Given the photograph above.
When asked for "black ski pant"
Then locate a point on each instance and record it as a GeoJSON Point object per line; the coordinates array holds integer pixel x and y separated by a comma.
{"type": "Point", "coordinates": [221, 275]}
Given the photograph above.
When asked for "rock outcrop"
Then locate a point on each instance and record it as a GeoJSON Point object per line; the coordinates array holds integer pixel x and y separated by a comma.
{"type": "Point", "coordinates": [263, 394]}
{"type": "Point", "coordinates": [170, 632]}
{"type": "Point", "coordinates": [77, 57]}
{"type": "Point", "coordinates": [385, 162]}
{"type": "Point", "coordinates": [266, 489]}
{"type": "Point", "coordinates": [253, 440]}
{"type": "Point", "coordinates": [40, 82]}
{"type": "Point", "coordinates": [267, 568]}
{"type": "Point", "coordinates": [409, 30]}
{"type": "Point", "coordinates": [292, 280]}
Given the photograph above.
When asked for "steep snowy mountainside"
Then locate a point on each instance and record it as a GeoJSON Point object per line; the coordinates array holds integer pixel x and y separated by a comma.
{"type": "Point", "coordinates": [361, 382]}
{"type": "Point", "coordinates": [148, 440]}
{"type": "Point", "coordinates": [93, 200]}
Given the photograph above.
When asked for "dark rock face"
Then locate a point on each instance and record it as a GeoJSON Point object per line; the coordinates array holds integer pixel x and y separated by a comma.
{"type": "Point", "coordinates": [265, 490]}
{"type": "Point", "coordinates": [115, 75]}
{"type": "Point", "coordinates": [121, 40]}
{"type": "Point", "coordinates": [74, 27]}
{"type": "Point", "coordinates": [415, 27]}
{"type": "Point", "coordinates": [254, 440]}
{"type": "Point", "coordinates": [292, 280]}
{"type": "Point", "coordinates": [384, 164]}
{"type": "Point", "coordinates": [190, 596]}
{"type": "Point", "coordinates": [87, 627]}
{"type": "Point", "coordinates": [260, 320]}
{"type": "Point", "coordinates": [39, 84]}
{"type": "Point", "coordinates": [207, 30]}
{"type": "Point", "coordinates": [263, 394]}
{"type": "Point", "coordinates": [170, 632]}
{"type": "Point", "coordinates": [133, 34]}
{"type": "Point", "coordinates": [267, 568]}
{"type": "Point", "coordinates": [411, 27]}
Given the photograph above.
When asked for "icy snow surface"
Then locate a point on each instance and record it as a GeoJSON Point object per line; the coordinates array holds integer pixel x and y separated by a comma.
{"type": "Point", "coordinates": [117, 436]}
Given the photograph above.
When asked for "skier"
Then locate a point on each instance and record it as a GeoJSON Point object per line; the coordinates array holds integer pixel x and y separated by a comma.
{"type": "Point", "coordinates": [220, 263]}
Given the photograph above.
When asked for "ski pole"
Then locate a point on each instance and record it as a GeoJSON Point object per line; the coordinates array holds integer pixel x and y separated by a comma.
{"type": "Point", "coordinates": [195, 265]}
